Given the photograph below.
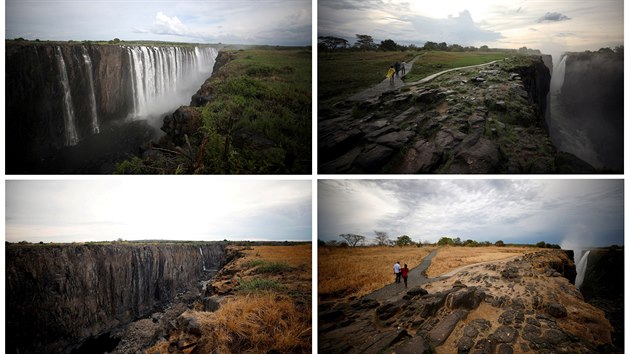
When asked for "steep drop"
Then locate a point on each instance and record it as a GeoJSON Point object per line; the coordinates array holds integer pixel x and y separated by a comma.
{"type": "Point", "coordinates": [64, 97]}
{"type": "Point", "coordinates": [58, 296]}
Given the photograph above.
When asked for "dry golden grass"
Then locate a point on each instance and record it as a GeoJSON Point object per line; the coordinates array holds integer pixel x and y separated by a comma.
{"type": "Point", "coordinates": [360, 270]}
{"type": "Point", "coordinates": [256, 323]}
{"type": "Point", "coordinates": [450, 258]}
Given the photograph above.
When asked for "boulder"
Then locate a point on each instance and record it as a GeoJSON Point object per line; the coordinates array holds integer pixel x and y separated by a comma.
{"type": "Point", "coordinates": [443, 329]}
{"type": "Point", "coordinates": [415, 345]}
{"type": "Point", "coordinates": [184, 121]}
{"type": "Point", "coordinates": [468, 298]}
{"type": "Point", "coordinates": [505, 334]}
{"type": "Point", "coordinates": [374, 157]}
{"type": "Point", "coordinates": [417, 291]}
{"type": "Point", "coordinates": [556, 310]}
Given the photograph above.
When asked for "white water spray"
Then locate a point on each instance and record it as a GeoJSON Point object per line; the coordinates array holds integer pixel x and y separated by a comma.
{"type": "Point", "coordinates": [160, 74]}
{"type": "Point", "coordinates": [70, 133]}
{"type": "Point", "coordinates": [88, 68]}
{"type": "Point", "coordinates": [557, 79]}
{"type": "Point", "coordinates": [581, 270]}
{"type": "Point", "coordinates": [203, 261]}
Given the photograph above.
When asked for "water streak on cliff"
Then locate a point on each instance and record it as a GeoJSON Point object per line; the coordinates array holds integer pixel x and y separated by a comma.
{"type": "Point", "coordinates": [88, 69]}
{"type": "Point", "coordinates": [581, 270]}
{"type": "Point", "coordinates": [71, 136]}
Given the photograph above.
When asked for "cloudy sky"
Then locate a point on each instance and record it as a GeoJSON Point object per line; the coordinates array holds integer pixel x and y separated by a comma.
{"type": "Point", "coordinates": [275, 22]}
{"type": "Point", "coordinates": [566, 212]}
{"type": "Point", "coordinates": [549, 25]}
{"type": "Point", "coordinates": [150, 208]}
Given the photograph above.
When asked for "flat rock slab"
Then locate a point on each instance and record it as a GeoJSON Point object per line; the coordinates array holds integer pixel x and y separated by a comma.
{"type": "Point", "coordinates": [443, 329]}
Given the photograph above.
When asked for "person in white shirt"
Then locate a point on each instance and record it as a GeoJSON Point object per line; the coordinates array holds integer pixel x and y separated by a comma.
{"type": "Point", "coordinates": [397, 271]}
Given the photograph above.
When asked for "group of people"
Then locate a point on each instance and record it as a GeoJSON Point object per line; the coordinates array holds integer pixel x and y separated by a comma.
{"type": "Point", "coordinates": [395, 69]}
{"type": "Point", "coordinates": [401, 273]}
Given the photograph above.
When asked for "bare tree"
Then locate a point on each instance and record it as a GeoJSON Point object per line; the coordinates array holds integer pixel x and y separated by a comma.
{"type": "Point", "coordinates": [381, 238]}
{"type": "Point", "coordinates": [353, 239]}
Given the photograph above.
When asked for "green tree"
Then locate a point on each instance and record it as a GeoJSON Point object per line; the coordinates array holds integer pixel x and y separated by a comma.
{"type": "Point", "coordinates": [499, 243]}
{"type": "Point", "coordinates": [365, 42]}
{"type": "Point", "coordinates": [404, 240]}
{"type": "Point", "coordinates": [541, 244]}
{"type": "Point", "coordinates": [388, 45]}
{"type": "Point", "coordinates": [484, 48]}
{"type": "Point", "coordinates": [445, 241]}
{"type": "Point", "coordinates": [332, 43]}
{"type": "Point", "coordinates": [353, 239]}
{"type": "Point", "coordinates": [443, 46]}
{"type": "Point", "coordinates": [430, 46]}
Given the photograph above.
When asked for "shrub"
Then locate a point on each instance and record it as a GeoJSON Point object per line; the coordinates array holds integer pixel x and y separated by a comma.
{"type": "Point", "coordinates": [258, 285]}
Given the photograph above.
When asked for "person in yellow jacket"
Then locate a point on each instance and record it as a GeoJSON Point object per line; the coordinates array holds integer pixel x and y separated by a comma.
{"type": "Point", "coordinates": [390, 74]}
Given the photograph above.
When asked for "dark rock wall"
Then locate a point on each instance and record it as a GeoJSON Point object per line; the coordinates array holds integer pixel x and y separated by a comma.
{"type": "Point", "coordinates": [536, 79]}
{"type": "Point", "coordinates": [58, 296]}
{"type": "Point", "coordinates": [34, 96]}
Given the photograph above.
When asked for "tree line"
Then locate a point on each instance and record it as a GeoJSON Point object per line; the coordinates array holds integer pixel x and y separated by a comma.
{"type": "Point", "coordinates": [382, 239]}
{"type": "Point", "coordinates": [365, 42]}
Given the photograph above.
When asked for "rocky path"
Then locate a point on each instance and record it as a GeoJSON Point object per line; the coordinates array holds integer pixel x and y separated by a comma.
{"type": "Point", "coordinates": [383, 86]}
{"type": "Point", "coordinates": [386, 86]}
{"type": "Point", "coordinates": [524, 304]}
{"type": "Point", "coordinates": [417, 276]}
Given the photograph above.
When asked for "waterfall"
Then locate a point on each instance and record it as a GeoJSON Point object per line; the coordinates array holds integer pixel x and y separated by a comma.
{"type": "Point", "coordinates": [88, 68]}
{"type": "Point", "coordinates": [71, 136]}
{"type": "Point", "coordinates": [161, 74]}
{"type": "Point", "coordinates": [581, 270]}
{"type": "Point", "coordinates": [557, 78]}
{"type": "Point", "coordinates": [203, 260]}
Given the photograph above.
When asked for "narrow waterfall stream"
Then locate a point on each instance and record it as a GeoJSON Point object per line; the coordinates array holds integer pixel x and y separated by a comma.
{"type": "Point", "coordinates": [71, 135]}
{"type": "Point", "coordinates": [581, 269]}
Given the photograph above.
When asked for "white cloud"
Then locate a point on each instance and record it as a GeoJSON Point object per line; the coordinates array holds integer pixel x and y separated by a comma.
{"type": "Point", "coordinates": [514, 211]}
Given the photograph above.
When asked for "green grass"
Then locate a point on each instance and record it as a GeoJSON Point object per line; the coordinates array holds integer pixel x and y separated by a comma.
{"type": "Point", "coordinates": [433, 62]}
{"type": "Point", "coordinates": [264, 95]}
{"type": "Point", "coordinates": [344, 73]}
{"type": "Point", "coordinates": [258, 285]}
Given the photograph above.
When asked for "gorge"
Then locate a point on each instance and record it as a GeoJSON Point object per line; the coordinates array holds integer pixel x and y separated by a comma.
{"type": "Point", "coordinates": [62, 297]}
{"type": "Point", "coordinates": [76, 108]}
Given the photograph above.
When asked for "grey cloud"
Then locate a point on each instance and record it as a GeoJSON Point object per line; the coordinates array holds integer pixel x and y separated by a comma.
{"type": "Point", "coordinates": [553, 17]}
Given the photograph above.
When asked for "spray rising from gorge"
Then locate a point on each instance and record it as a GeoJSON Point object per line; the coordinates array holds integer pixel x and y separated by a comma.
{"type": "Point", "coordinates": [75, 106]}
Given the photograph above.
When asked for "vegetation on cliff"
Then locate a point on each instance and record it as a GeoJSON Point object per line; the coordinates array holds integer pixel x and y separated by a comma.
{"type": "Point", "coordinates": [264, 305]}
{"type": "Point", "coordinates": [253, 115]}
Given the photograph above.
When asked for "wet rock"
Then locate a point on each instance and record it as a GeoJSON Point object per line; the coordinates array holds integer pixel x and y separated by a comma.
{"type": "Point", "coordinates": [482, 157]}
{"type": "Point", "coordinates": [372, 135]}
{"type": "Point", "coordinates": [443, 329]}
{"type": "Point", "coordinates": [366, 304]}
{"type": "Point", "coordinates": [184, 121]}
{"type": "Point", "coordinates": [421, 158]}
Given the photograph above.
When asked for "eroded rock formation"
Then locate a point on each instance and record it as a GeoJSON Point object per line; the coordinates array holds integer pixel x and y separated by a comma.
{"type": "Point", "coordinates": [487, 119]}
{"type": "Point", "coordinates": [61, 295]}
{"type": "Point", "coordinates": [516, 306]}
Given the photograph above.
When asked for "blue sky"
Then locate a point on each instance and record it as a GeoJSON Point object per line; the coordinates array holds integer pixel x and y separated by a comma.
{"type": "Point", "coordinates": [567, 212]}
{"type": "Point", "coordinates": [164, 208]}
{"type": "Point", "coordinates": [550, 25]}
{"type": "Point", "coordinates": [274, 22]}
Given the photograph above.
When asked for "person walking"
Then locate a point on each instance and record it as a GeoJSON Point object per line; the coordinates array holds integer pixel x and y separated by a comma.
{"type": "Point", "coordinates": [397, 68]}
{"type": "Point", "coordinates": [403, 68]}
{"type": "Point", "coordinates": [390, 74]}
{"type": "Point", "coordinates": [405, 273]}
{"type": "Point", "coordinates": [397, 271]}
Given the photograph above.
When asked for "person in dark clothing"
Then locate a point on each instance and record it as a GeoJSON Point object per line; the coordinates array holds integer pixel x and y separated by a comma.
{"type": "Point", "coordinates": [405, 272]}
{"type": "Point", "coordinates": [397, 68]}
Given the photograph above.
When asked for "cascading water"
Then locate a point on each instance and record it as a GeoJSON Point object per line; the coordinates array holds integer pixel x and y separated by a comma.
{"type": "Point", "coordinates": [203, 260]}
{"type": "Point", "coordinates": [164, 72]}
{"type": "Point", "coordinates": [581, 270]}
{"type": "Point", "coordinates": [566, 134]}
{"type": "Point", "coordinates": [70, 133]}
{"type": "Point", "coordinates": [88, 69]}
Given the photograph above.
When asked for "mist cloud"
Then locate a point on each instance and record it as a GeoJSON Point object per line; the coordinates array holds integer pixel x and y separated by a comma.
{"type": "Point", "coordinates": [553, 17]}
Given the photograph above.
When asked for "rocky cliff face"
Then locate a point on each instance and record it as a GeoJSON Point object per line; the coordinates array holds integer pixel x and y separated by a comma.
{"type": "Point", "coordinates": [60, 95]}
{"type": "Point", "coordinates": [58, 296]}
{"type": "Point", "coordinates": [478, 120]}
{"type": "Point", "coordinates": [589, 119]}
{"type": "Point", "coordinates": [518, 306]}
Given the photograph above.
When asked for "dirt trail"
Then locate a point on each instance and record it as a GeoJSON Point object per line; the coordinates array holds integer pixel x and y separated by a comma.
{"type": "Point", "coordinates": [385, 85]}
